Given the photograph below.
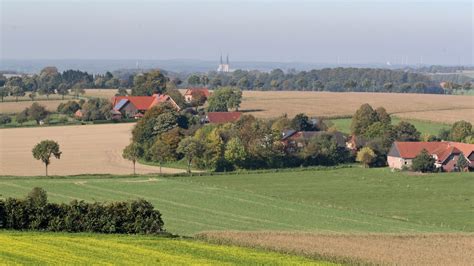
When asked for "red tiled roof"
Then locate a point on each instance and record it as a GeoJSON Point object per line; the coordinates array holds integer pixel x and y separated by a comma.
{"type": "Point", "coordinates": [442, 150]}
{"type": "Point", "coordinates": [144, 103]}
{"type": "Point", "coordinates": [223, 117]}
{"type": "Point", "coordinates": [204, 91]}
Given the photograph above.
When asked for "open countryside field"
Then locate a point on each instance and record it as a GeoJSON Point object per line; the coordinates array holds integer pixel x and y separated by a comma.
{"type": "Point", "coordinates": [425, 127]}
{"type": "Point", "coordinates": [16, 107]}
{"type": "Point", "coordinates": [88, 149]}
{"type": "Point", "coordinates": [351, 200]}
{"type": "Point", "coordinates": [378, 249]}
{"type": "Point", "coordinates": [60, 248]}
{"type": "Point", "coordinates": [330, 104]}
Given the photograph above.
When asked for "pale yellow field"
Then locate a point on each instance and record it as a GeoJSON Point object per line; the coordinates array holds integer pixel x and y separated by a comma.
{"type": "Point", "coordinates": [16, 107]}
{"type": "Point", "coordinates": [88, 149]}
{"type": "Point", "coordinates": [378, 249]}
{"type": "Point", "coordinates": [276, 103]}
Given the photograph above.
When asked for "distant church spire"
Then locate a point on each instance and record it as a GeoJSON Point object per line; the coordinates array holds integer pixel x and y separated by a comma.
{"type": "Point", "coordinates": [221, 60]}
{"type": "Point", "coordinates": [227, 59]}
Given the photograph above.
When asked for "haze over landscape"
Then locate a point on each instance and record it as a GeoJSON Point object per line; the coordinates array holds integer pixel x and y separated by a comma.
{"type": "Point", "coordinates": [236, 132]}
{"type": "Point", "coordinates": [316, 32]}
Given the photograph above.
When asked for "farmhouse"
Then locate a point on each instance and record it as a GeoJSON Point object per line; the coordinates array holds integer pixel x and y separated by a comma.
{"type": "Point", "coordinates": [136, 106]}
{"type": "Point", "coordinates": [446, 154]}
{"type": "Point", "coordinates": [222, 117]}
{"type": "Point", "coordinates": [191, 93]}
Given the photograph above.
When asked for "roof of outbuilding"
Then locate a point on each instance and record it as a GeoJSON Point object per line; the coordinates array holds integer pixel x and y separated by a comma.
{"type": "Point", "coordinates": [223, 117]}
{"type": "Point", "coordinates": [204, 91]}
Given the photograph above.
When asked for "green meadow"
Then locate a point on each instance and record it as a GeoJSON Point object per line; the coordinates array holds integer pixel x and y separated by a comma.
{"type": "Point", "coordinates": [425, 127]}
{"type": "Point", "coordinates": [350, 200]}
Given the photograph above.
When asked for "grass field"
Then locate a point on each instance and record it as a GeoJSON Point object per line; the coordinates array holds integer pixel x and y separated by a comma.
{"type": "Point", "coordinates": [442, 200]}
{"type": "Point", "coordinates": [60, 249]}
{"type": "Point", "coordinates": [425, 127]}
{"type": "Point", "coordinates": [87, 149]}
{"type": "Point", "coordinates": [378, 249]}
{"type": "Point", "coordinates": [343, 200]}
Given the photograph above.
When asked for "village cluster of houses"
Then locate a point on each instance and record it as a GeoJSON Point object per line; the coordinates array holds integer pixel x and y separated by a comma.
{"type": "Point", "coordinates": [400, 156]}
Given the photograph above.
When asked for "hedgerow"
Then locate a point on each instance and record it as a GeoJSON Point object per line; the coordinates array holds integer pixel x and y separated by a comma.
{"type": "Point", "coordinates": [123, 217]}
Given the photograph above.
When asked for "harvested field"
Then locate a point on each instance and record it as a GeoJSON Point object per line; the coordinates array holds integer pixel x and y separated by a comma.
{"type": "Point", "coordinates": [275, 103]}
{"type": "Point", "coordinates": [101, 93]}
{"type": "Point", "coordinates": [16, 107]}
{"type": "Point", "coordinates": [88, 149]}
{"type": "Point", "coordinates": [449, 116]}
{"type": "Point", "coordinates": [420, 249]}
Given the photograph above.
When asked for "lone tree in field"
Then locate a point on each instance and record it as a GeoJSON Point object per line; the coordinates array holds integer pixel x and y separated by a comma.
{"type": "Point", "coordinates": [132, 153]}
{"type": "Point", "coordinates": [423, 162]}
{"type": "Point", "coordinates": [43, 151]}
{"type": "Point", "coordinates": [366, 156]}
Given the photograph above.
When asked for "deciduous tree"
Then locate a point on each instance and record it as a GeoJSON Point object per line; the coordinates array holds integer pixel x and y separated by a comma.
{"type": "Point", "coordinates": [423, 162]}
{"type": "Point", "coordinates": [44, 150]}
{"type": "Point", "coordinates": [132, 153]}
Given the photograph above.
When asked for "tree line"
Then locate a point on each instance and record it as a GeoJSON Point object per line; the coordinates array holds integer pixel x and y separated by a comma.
{"type": "Point", "coordinates": [34, 212]}
{"type": "Point", "coordinates": [327, 79]}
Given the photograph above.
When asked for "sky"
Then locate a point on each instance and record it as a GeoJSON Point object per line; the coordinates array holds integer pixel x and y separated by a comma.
{"type": "Point", "coordinates": [370, 31]}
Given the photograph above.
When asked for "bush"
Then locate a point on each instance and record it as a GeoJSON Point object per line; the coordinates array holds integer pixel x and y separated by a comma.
{"type": "Point", "coordinates": [35, 213]}
{"type": "Point", "coordinates": [5, 119]}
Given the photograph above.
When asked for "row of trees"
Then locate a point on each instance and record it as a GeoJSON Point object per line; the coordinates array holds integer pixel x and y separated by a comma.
{"type": "Point", "coordinates": [35, 213]}
{"type": "Point", "coordinates": [163, 135]}
{"type": "Point", "coordinates": [328, 79]}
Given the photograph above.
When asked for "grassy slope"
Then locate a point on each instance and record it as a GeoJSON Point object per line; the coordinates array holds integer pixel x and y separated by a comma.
{"type": "Point", "coordinates": [445, 200]}
{"type": "Point", "coordinates": [58, 248]}
{"type": "Point", "coordinates": [425, 127]}
{"type": "Point", "coordinates": [291, 201]}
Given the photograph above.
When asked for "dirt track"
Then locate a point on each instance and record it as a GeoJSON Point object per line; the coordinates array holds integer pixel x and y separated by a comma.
{"type": "Point", "coordinates": [91, 149]}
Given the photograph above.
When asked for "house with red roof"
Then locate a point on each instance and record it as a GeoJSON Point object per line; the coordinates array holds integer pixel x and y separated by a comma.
{"type": "Point", "coordinates": [446, 154]}
{"type": "Point", "coordinates": [136, 106]}
{"type": "Point", "coordinates": [191, 93]}
{"type": "Point", "coordinates": [222, 117]}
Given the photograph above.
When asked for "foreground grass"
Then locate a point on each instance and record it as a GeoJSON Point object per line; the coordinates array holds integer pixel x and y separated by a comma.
{"type": "Point", "coordinates": [379, 249]}
{"type": "Point", "coordinates": [61, 248]}
{"type": "Point", "coordinates": [445, 200]}
{"type": "Point", "coordinates": [425, 127]}
{"type": "Point", "coordinates": [342, 200]}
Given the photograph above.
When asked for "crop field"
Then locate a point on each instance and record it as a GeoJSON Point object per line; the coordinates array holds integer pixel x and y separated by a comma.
{"type": "Point", "coordinates": [59, 248]}
{"type": "Point", "coordinates": [425, 127]}
{"type": "Point", "coordinates": [438, 108]}
{"type": "Point", "coordinates": [351, 200]}
{"type": "Point", "coordinates": [16, 107]}
{"type": "Point", "coordinates": [378, 249]}
{"type": "Point", "coordinates": [87, 149]}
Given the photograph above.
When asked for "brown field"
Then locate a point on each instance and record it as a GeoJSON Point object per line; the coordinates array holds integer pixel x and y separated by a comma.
{"type": "Point", "coordinates": [276, 103]}
{"type": "Point", "coordinates": [101, 93]}
{"type": "Point", "coordinates": [16, 107]}
{"type": "Point", "coordinates": [88, 149]}
{"type": "Point", "coordinates": [426, 249]}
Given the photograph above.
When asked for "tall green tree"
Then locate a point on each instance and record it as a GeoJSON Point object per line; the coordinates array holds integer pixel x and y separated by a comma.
{"type": "Point", "coordinates": [362, 119]}
{"type": "Point", "coordinates": [149, 83]}
{"type": "Point", "coordinates": [37, 112]}
{"type": "Point", "coordinates": [460, 130]}
{"type": "Point", "coordinates": [406, 131]}
{"type": "Point", "coordinates": [224, 99]}
{"type": "Point", "coordinates": [366, 156]}
{"type": "Point", "coordinates": [132, 153]}
{"type": "Point", "coordinates": [190, 148]}
{"type": "Point", "coordinates": [423, 162]}
{"type": "Point", "coordinates": [44, 150]}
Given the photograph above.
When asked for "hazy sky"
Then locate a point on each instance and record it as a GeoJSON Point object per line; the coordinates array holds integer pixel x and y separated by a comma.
{"type": "Point", "coordinates": [437, 32]}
